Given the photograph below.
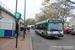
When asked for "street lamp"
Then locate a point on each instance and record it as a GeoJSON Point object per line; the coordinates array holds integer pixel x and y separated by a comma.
{"type": "Point", "coordinates": [24, 18]}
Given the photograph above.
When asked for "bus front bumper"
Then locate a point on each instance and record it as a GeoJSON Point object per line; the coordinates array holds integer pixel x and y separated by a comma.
{"type": "Point", "coordinates": [55, 35]}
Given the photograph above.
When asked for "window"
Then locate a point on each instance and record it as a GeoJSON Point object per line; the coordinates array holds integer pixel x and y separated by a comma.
{"type": "Point", "coordinates": [55, 27]}
{"type": "Point", "coordinates": [41, 27]}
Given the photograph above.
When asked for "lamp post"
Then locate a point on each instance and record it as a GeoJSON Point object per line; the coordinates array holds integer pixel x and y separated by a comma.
{"type": "Point", "coordinates": [24, 18]}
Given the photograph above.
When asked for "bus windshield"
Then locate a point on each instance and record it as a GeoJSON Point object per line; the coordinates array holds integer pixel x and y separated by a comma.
{"type": "Point", "coordinates": [55, 27]}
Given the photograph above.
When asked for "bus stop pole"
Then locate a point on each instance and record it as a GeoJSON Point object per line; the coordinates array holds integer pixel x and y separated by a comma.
{"type": "Point", "coordinates": [16, 6]}
{"type": "Point", "coordinates": [17, 23]}
{"type": "Point", "coordinates": [17, 34]}
{"type": "Point", "coordinates": [24, 18]}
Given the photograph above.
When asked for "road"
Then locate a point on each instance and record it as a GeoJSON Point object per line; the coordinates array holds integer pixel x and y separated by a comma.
{"type": "Point", "coordinates": [62, 43]}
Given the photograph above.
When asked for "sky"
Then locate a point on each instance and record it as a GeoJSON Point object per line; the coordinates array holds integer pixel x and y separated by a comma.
{"type": "Point", "coordinates": [32, 7]}
{"type": "Point", "coordinates": [73, 0]}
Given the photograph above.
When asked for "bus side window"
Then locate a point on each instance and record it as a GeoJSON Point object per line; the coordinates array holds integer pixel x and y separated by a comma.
{"type": "Point", "coordinates": [37, 26]}
{"type": "Point", "coordinates": [45, 26]}
{"type": "Point", "coordinates": [41, 27]}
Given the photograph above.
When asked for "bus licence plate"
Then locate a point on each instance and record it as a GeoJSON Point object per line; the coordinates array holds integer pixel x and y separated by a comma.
{"type": "Point", "coordinates": [55, 32]}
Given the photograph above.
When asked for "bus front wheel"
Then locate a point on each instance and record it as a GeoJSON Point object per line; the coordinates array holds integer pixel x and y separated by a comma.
{"type": "Point", "coordinates": [45, 36]}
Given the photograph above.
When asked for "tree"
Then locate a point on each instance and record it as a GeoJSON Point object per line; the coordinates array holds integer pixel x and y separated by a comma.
{"type": "Point", "coordinates": [40, 17]}
{"type": "Point", "coordinates": [30, 21]}
{"type": "Point", "coordinates": [56, 10]}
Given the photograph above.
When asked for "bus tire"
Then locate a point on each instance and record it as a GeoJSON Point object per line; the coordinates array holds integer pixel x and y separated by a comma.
{"type": "Point", "coordinates": [42, 33]}
{"type": "Point", "coordinates": [45, 36]}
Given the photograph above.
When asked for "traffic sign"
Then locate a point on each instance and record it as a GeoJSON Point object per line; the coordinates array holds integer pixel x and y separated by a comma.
{"type": "Point", "coordinates": [17, 15]}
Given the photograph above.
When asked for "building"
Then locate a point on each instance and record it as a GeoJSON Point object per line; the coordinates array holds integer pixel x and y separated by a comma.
{"type": "Point", "coordinates": [5, 12]}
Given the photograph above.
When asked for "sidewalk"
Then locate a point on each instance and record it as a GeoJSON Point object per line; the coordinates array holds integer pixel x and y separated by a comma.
{"type": "Point", "coordinates": [23, 44]}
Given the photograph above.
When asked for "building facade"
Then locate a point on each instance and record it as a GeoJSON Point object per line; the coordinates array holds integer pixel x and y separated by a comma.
{"type": "Point", "coordinates": [5, 12]}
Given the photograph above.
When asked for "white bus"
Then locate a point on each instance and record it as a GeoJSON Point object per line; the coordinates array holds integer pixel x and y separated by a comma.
{"type": "Point", "coordinates": [50, 28]}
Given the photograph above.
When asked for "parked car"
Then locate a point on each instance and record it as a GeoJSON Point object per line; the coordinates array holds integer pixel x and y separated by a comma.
{"type": "Point", "coordinates": [72, 31]}
{"type": "Point", "coordinates": [65, 29]}
{"type": "Point", "coordinates": [68, 30]}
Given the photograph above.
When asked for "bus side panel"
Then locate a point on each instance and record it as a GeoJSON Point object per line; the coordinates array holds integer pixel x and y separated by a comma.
{"type": "Point", "coordinates": [38, 31]}
{"type": "Point", "coordinates": [41, 31]}
{"type": "Point", "coordinates": [35, 30]}
{"type": "Point", "coordinates": [45, 32]}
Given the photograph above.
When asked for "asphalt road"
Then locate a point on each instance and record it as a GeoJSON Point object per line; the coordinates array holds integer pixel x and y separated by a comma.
{"type": "Point", "coordinates": [62, 43]}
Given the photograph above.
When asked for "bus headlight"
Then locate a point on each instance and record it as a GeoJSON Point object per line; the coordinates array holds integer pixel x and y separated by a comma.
{"type": "Point", "coordinates": [61, 32]}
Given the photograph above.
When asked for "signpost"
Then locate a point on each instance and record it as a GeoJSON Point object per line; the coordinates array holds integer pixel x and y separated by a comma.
{"type": "Point", "coordinates": [17, 16]}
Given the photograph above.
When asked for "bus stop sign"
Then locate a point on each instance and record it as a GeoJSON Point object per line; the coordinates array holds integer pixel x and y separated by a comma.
{"type": "Point", "coordinates": [17, 15]}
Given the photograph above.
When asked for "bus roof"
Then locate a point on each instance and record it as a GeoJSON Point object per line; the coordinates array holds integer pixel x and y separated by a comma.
{"type": "Point", "coordinates": [46, 21]}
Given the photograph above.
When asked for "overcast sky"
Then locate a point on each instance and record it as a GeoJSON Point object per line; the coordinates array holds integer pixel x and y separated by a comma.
{"type": "Point", "coordinates": [32, 6]}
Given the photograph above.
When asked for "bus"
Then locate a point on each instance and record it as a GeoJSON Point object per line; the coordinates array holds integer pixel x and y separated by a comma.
{"type": "Point", "coordinates": [50, 28]}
